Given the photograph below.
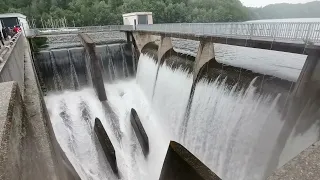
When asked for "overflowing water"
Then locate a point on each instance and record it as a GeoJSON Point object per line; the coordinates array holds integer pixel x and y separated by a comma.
{"type": "Point", "coordinates": [61, 69]}
{"type": "Point", "coordinates": [233, 131]}
{"type": "Point", "coordinates": [73, 115]}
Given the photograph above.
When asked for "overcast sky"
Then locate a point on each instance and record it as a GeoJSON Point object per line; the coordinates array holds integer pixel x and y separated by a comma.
{"type": "Point", "coordinates": [259, 3]}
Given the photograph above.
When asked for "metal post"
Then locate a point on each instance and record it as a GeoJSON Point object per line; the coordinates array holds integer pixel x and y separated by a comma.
{"type": "Point", "coordinates": [42, 23]}
{"type": "Point", "coordinates": [251, 31]}
{"type": "Point", "coordinates": [308, 34]}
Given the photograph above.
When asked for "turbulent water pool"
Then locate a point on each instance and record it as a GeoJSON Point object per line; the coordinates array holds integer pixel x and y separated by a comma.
{"type": "Point", "coordinates": [233, 131]}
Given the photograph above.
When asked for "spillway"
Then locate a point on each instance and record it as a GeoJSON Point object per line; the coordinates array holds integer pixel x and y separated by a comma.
{"type": "Point", "coordinates": [232, 129]}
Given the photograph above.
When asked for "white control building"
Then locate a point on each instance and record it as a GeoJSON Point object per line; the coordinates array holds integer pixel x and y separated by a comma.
{"type": "Point", "coordinates": [136, 18]}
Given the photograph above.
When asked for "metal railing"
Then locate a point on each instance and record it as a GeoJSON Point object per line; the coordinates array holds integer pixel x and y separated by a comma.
{"type": "Point", "coordinates": [305, 32]}
{"type": "Point", "coordinates": [76, 30]}
{"type": "Point", "coordinates": [297, 31]}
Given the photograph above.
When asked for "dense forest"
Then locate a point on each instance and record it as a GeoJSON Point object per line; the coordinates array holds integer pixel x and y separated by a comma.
{"type": "Point", "coordinates": [103, 12]}
{"type": "Point", "coordinates": [284, 10]}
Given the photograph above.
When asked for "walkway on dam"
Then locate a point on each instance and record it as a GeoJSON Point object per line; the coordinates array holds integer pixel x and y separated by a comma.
{"type": "Point", "coordinates": [297, 32]}
{"type": "Point", "coordinates": [290, 37]}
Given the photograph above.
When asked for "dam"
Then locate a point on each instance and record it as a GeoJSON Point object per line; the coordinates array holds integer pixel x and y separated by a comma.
{"type": "Point", "coordinates": [245, 113]}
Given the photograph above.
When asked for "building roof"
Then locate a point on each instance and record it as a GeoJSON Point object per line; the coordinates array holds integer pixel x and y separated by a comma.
{"type": "Point", "coordinates": [10, 15]}
{"type": "Point", "coordinates": [137, 13]}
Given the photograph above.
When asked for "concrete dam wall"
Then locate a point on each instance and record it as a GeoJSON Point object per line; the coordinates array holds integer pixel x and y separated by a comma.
{"type": "Point", "coordinates": [29, 149]}
{"type": "Point", "coordinates": [228, 119]}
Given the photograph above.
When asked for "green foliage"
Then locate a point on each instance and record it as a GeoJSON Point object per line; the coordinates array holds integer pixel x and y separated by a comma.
{"type": "Point", "coordinates": [284, 10]}
{"type": "Point", "coordinates": [103, 12]}
{"type": "Point", "coordinates": [38, 43]}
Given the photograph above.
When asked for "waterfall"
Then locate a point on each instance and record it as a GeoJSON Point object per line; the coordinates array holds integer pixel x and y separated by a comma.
{"type": "Point", "coordinates": [62, 69]}
{"type": "Point", "coordinates": [232, 129]}
{"type": "Point", "coordinates": [74, 77]}
{"type": "Point", "coordinates": [224, 126]}
{"type": "Point", "coordinates": [57, 80]}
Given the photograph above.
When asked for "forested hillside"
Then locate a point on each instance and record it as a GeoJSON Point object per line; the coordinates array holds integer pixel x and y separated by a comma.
{"type": "Point", "coordinates": [284, 10]}
{"type": "Point", "coordinates": [103, 12]}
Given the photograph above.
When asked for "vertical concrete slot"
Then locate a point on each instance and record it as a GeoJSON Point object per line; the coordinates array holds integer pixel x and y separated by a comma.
{"type": "Point", "coordinates": [106, 145]}
{"type": "Point", "coordinates": [180, 164]}
{"type": "Point", "coordinates": [94, 67]}
{"type": "Point", "coordinates": [140, 132]}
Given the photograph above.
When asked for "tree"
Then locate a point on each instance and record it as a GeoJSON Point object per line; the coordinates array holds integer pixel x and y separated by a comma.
{"type": "Point", "coordinates": [103, 12]}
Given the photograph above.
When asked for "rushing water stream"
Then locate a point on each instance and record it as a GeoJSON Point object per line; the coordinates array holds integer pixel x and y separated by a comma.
{"type": "Point", "coordinates": [233, 131]}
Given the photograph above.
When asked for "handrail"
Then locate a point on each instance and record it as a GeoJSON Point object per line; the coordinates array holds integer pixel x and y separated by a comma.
{"type": "Point", "coordinates": [304, 32]}
{"type": "Point", "coordinates": [86, 29]}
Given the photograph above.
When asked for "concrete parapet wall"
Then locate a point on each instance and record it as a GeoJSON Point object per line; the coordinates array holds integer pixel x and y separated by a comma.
{"type": "Point", "coordinates": [11, 131]}
{"type": "Point", "coordinates": [28, 149]}
{"type": "Point", "coordinates": [305, 166]}
{"type": "Point", "coordinates": [12, 65]}
{"type": "Point", "coordinates": [42, 156]}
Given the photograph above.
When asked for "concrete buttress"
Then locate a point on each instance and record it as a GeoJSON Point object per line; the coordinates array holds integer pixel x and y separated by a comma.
{"type": "Point", "coordinates": [204, 55]}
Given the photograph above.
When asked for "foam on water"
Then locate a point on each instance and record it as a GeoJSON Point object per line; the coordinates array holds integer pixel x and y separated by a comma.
{"type": "Point", "coordinates": [225, 125]}
{"type": "Point", "coordinates": [232, 131]}
{"type": "Point", "coordinates": [78, 140]}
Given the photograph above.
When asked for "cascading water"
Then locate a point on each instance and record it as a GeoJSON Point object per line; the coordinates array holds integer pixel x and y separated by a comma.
{"type": "Point", "coordinates": [61, 69]}
{"type": "Point", "coordinates": [232, 130]}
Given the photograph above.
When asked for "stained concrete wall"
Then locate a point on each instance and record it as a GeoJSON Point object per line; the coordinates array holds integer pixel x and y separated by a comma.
{"type": "Point", "coordinates": [142, 39]}
{"type": "Point", "coordinates": [301, 113]}
{"type": "Point", "coordinates": [305, 166]}
{"type": "Point", "coordinates": [11, 131]}
{"type": "Point", "coordinates": [204, 55]}
{"type": "Point", "coordinates": [12, 65]}
{"type": "Point", "coordinates": [29, 149]}
{"type": "Point", "coordinates": [94, 67]}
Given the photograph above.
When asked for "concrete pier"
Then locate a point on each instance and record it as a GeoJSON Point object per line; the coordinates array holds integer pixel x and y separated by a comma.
{"type": "Point", "coordinates": [164, 47]}
{"type": "Point", "coordinates": [180, 164]}
{"type": "Point", "coordinates": [142, 39]}
{"type": "Point", "coordinates": [106, 145]}
{"type": "Point", "coordinates": [204, 55]}
{"type": "Point", "coordinates": [309, 79]}
{"type": "Point", "coordinates": [94, 67]}
{"type": "Point", "coordinates": [140, 132]}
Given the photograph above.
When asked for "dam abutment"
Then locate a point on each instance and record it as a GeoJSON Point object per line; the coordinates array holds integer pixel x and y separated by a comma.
{"type": "Point", "coordinates": [29, 149]}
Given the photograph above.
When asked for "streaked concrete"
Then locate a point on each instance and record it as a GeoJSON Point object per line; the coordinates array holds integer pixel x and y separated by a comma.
{"type": "Point", "coordinates": [164, 47]}
{"type": "Point", "coordinates": [29, 149]}
{"type": "Point", "coordinates": [42, 156]}
{"type": "Point", "coordinates": [12, 67]}
{"type": "Point", "coordinates": [305, 166]}
{"type": "Point", "coordinates": [180, 164]}
{"type": "Point", "coordinates": [204, 55]}
{"type": "Point", "coordinates": [94, 67]}
{"type": "Point", "coordinates": [260, 43]}
{"type": "Point", "coordinates": [11, 131]}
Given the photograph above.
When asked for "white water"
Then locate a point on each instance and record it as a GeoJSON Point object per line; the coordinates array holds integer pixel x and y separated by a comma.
{"type": "Point", "coordinates": [225, 127]}
{"type": "Point", "coordinates": [78, 141]}
{"type": "Point", "coordinates": [232, 132]}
